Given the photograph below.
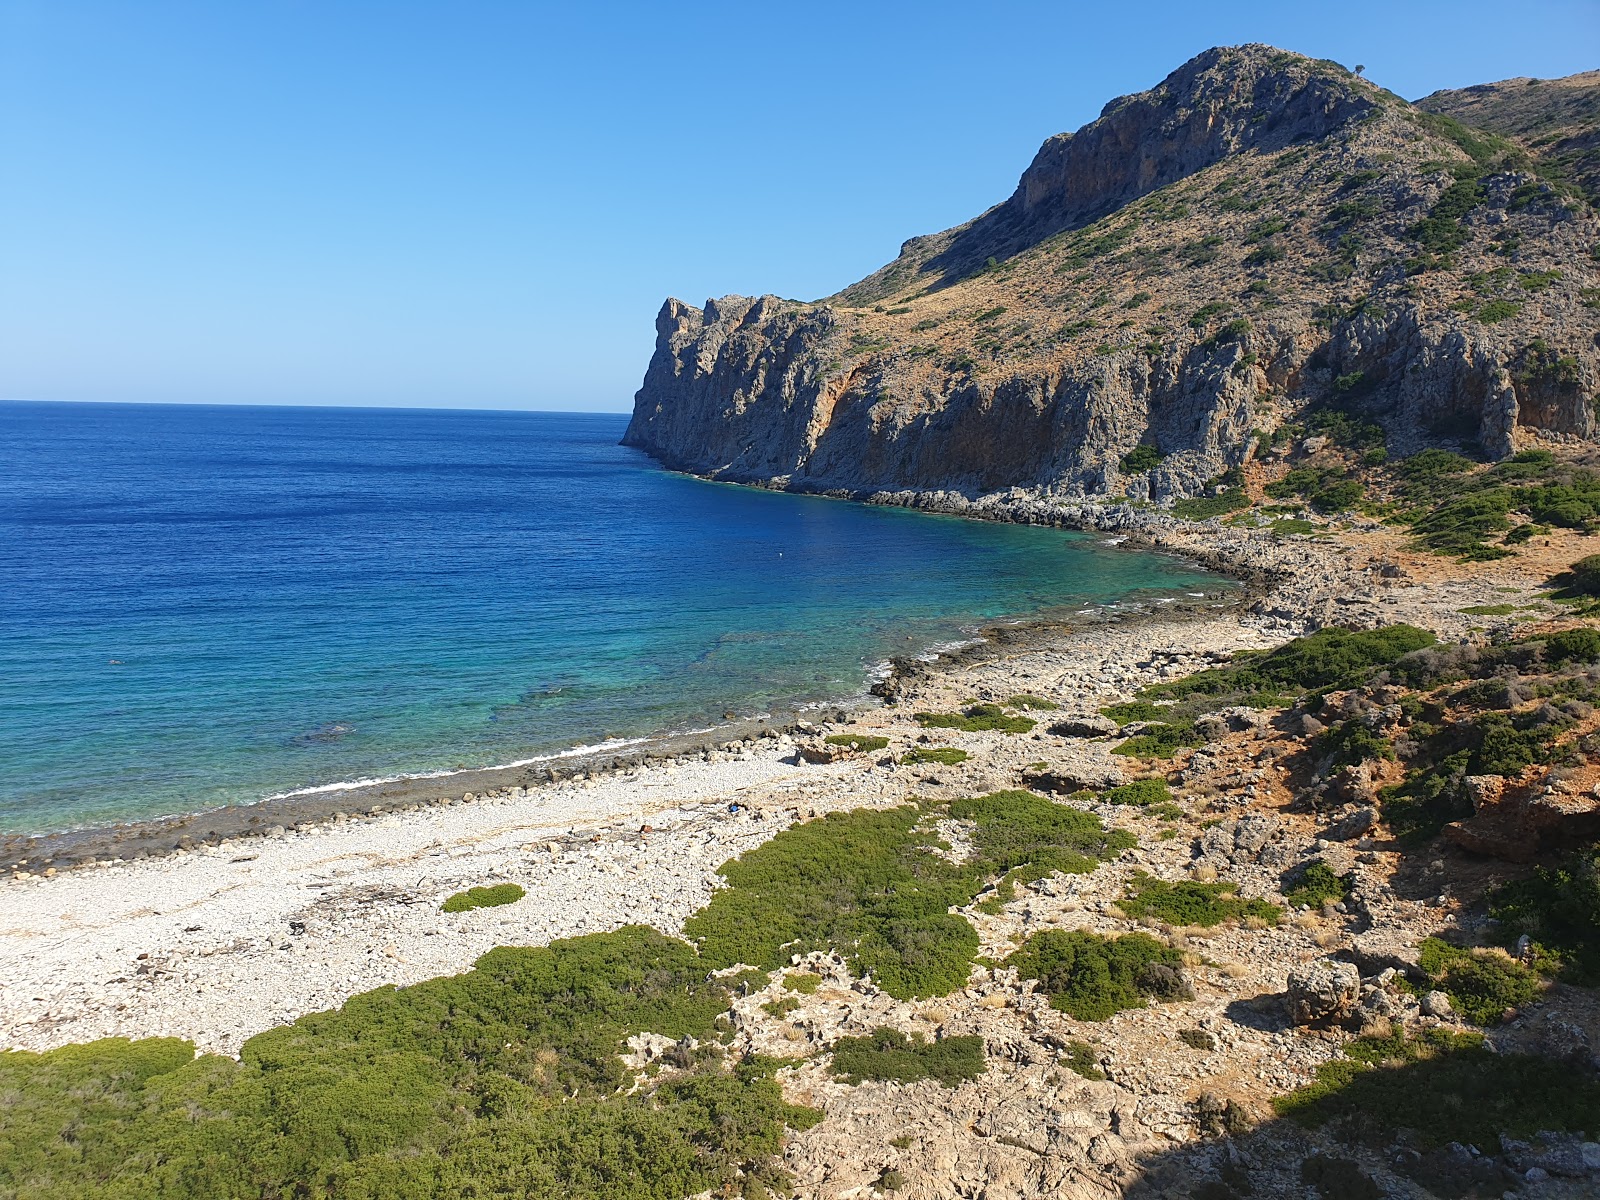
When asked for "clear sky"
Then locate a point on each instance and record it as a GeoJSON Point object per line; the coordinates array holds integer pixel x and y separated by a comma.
{"type": "Point", "coordinates": [482, 204]}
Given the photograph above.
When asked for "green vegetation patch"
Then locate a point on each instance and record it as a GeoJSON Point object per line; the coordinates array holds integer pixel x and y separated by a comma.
{"type": "Point", "coordinates": [1192, 903]}
{"type": "Point", "coordinates": [1315, 884]}
{"type": "Point", "coordinates": [1444, 1088]}
{"type": "Point", "coordinates": [1093, 977]}
{"type": "Point", "coordinates": [1159, 740]}
{"type": "Point", "coordinates": [976, 718]}
{"type": "Point", "coordinates": [1323, 661]}
{"type": "Point", "coordinates": [1203, 508]}
{"type": "Point", "coordinates": [1080, 1058]}
{"type": "Point", "coordinates": [1140, 459]}
{"type": "Point", "coordinates": [1482, 984]}
{"type": "Point", "coordinates": [804, 982]}
{"type": "Point", "coordinates": [869, 885]}
{"type": "Point", "coordinates": [1141, 792]}
{"type": "Point", "coordinates": [1029, 702]}
{"type": "Point", "coordinates": [888, 1054]}
{"type": "Point", "coordinates": [1454, 509]}
{"type": "Point", "coordinates": [1559, 909]}
{"type": "Point", "coordinates": [944, 756]}
{"type": "Point", "coordinates": [503, 1080]}
{"type": "Point", "coordinates": [864, 742]}
{"type": "Point", "coordinates": [484, 897]}
{"type": "Point", "coordinates": [1026, 837]}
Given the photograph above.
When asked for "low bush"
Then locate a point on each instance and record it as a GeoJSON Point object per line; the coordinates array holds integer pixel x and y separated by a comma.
{"type": "Point", "coordinates": [484, 897]}
{"type": "Point", "coordinates": [864, 883]}
{"type": "Point", "coordinates": [1329, 659]}
{"type": "Point", "coordinates": [1315, 884]}
{"type": "Point", "coordinates": [1141, 792]}
{"type": "Point", "coordinates": [1193, 903]}
{"type": "Point", "coordinates": [1080, 1058]}
{"type": "Point", "coordinates": [861, 742]}
{"type": "Point", "coordinates": [1443, 1088]}
{"type": "Point", "coordinates": [868, 884]}
{"type": "Point", "coordinates": [1092, 977]}
{"type": "Point", "coordinates": [1573, 645]}
{"type": "Point", "coordinates": [1027, 837]}
{"type": "Point", "coordinates": [505, 1079]}
{"type": "Point", "coordinates": [888, 1054]}
{"type": "Point", "coordinates": [1028, 702]}
{"type": "Point", "coordinates": [1559, 909]}
{"type": "Point", "coordinates": [1203, 508]}
{"type": "Point", "coordinates": [1140, 459]}
{"type": "Point", "coordinates": [1130, 711]}
{"type": "Point", "coordinates": [1159, 740]}
{"type": "Point", "coordinates": [1482, 984]}
{"type": "Point", "coordinates": [945, 756]}
{"type": "Point", "coordinates": [976, 718]}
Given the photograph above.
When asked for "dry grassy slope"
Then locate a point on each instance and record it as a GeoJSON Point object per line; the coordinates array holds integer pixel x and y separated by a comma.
{"type": "Point", "coordinates": [1275, 251]}
{"type": "Point", "coordinates": [1557, 120]}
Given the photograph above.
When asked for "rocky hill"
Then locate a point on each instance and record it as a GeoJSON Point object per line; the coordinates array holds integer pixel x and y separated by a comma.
{"type": "Point", "coordinates": [1260, 246]}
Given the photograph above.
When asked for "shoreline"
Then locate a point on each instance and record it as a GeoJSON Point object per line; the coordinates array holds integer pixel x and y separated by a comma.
{"type": "Point", "coordinates": [56, 850]}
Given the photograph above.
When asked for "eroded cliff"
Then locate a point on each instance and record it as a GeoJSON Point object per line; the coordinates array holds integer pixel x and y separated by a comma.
{"type": "Point", "coordinates": [1259, 239]}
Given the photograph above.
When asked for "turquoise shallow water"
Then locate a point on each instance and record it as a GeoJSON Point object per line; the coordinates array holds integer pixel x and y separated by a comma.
{"type": "Point", "coordinates": [203, 606]}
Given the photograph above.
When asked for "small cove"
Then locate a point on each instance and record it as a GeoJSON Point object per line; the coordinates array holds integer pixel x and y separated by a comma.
{"type": "Point", "coordinates": [206, 606]}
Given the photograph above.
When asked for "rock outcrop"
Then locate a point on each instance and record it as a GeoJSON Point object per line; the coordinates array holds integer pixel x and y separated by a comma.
{"type": "Point", "coordinates": [1260, 237]}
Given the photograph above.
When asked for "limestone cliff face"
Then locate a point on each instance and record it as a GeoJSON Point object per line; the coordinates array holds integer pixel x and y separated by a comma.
{"type": "Point", "coordinates": [1259, 238]}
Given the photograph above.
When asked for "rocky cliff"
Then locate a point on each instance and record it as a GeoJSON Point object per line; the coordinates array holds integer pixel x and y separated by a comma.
{"type": "Point", "coordinates": [1261, 241]}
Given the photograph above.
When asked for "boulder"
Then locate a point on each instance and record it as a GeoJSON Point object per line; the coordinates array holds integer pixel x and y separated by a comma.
{"type": "Point", "coordinates": [1084, 725]}
{"type": "Point", "coordinates": [1353, 824]}
{"type": "Point", "coordinates": [1326, 990]}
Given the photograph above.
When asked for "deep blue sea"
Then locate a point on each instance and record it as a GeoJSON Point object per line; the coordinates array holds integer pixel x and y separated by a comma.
{"type": "Point", "coordinates": [210, 605]}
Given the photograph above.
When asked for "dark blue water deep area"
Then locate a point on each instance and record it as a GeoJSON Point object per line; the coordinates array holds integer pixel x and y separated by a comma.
{"type": "Point", "coordinates": [209, 605]}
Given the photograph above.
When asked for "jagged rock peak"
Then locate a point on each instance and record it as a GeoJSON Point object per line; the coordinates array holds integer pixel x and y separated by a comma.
{"type": "Point", "coordinates": [1222, 102]}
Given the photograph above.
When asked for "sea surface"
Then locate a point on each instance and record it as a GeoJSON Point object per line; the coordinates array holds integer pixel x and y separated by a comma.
{"type": "Point", "coordinates": [203, 606]}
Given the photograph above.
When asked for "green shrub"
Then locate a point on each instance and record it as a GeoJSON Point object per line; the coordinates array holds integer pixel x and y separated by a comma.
{"type": "Point", "coordinates": [1203, 508]}
{"type": "Point", "coordinates": [1028, 702]}
{"type": "Point", "coordinates": [862, 742]}
{"type": "Point", "coordinates": [976, 718]}
{"type": "Point", "coordinates": [1192, 903]}
{"type": "Point", "coordinates": [1481, 986]}
{"type": "Point", "coordinates": [804, 982]}
{"type": "Point", "coordinates": [1443, 1088]}
{"type": "Point", "coordinates": [864, 883]}
{"type": "Point", "coordinates": [1140, 792]}
{"type": "Point", "coordinates": [1159, 740]}
{"type": "Point", "coordinates": [1140, 459]}
{"type": "Point", "coordinates": [1338, 497]}
{"type": "Point", "coordinates": [1092, 977]}
{"type": "Point", "coordinates": [1559, 908]}
{"type": "Point", "coordinates": [1290, 525]}
{"type": "Point", "coordinates": [1315, 884]}
{"type": "Point", "coordinates": [1493, 311]}
{"type": "Point", "coordinates": [868, 885]}
{"type": "Point", "coordinates": [1028, 837]}
{"type": "Point", "coordinates": [945, 756]}
{"type": "Point", "coordinates": [1351, 742]}
{"type": "Point", "coordinates": [888, 1054]}
{"type": "Point", "coordinates": [1080, 1058]}
{"type": "Point", "coordinates": [1130, 711]}
{"type": "Point", "coordinates": [502, 1080]}
{"type": "Point", "coordinates": [1573, 645]}
{"type": "Point", "coordinates": [1328, 659]}
{"type": "Point", "coordinates": [1583, 577]}
{"type": "Point", "coordinates": [484, 897]}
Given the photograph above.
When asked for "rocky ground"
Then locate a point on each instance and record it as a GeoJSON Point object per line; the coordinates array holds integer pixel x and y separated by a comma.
{"type": "Point", "coordinates": [219, 942]}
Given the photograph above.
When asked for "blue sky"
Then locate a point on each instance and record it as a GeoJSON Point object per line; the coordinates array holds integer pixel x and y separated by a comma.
{"type": "Point", "coordinates": [476, 204]}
